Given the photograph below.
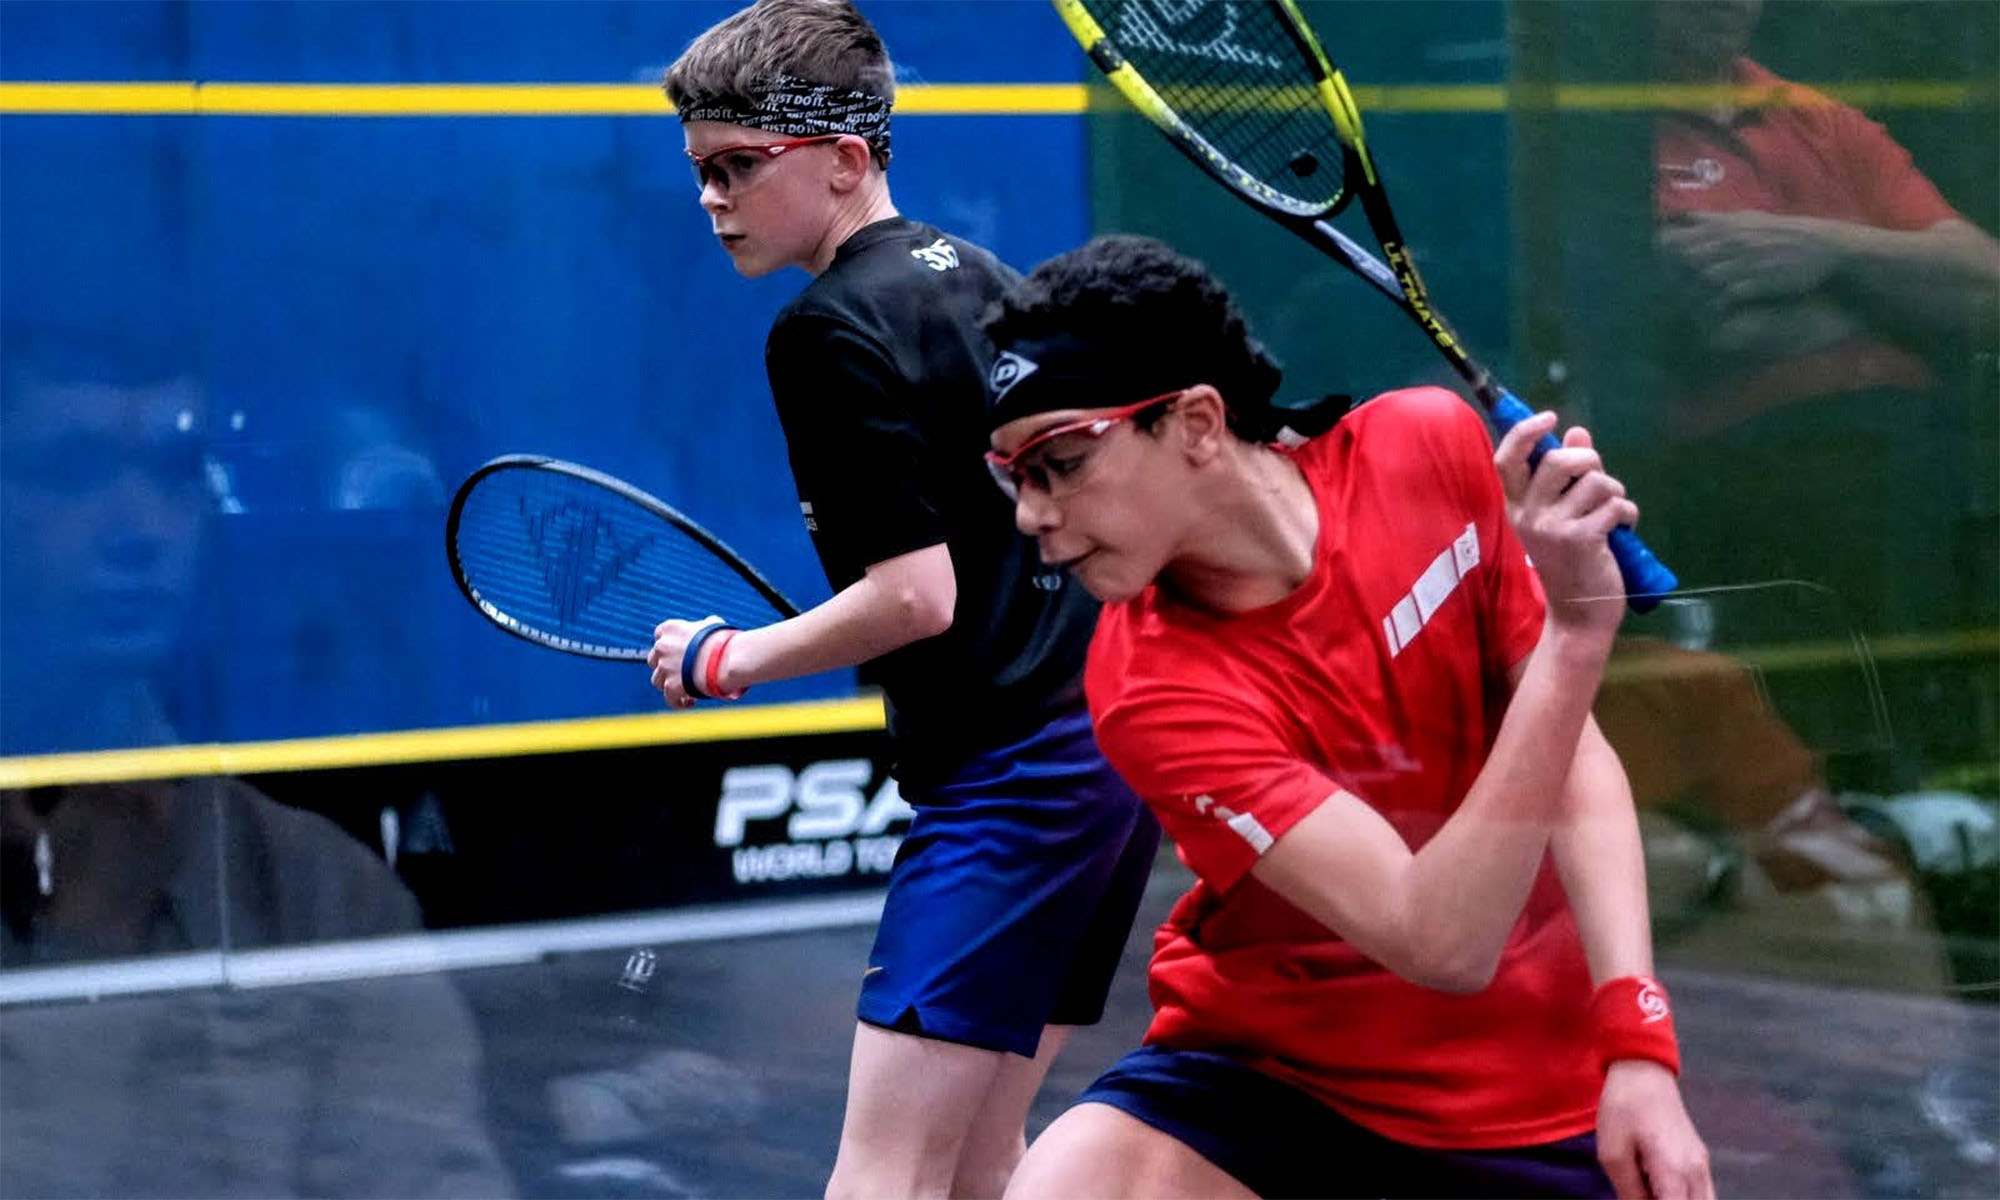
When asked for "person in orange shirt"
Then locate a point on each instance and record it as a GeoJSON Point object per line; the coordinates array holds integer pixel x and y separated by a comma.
{"type": "Point", "coordinates": [1824, 309]}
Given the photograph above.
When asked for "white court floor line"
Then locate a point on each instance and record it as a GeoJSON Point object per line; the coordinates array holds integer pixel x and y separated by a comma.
{"type": "Point", "coordinates": [417, 953]}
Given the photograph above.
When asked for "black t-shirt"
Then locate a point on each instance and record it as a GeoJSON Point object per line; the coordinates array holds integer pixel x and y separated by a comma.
{"type": "Point", "coordinates": [879, 372]}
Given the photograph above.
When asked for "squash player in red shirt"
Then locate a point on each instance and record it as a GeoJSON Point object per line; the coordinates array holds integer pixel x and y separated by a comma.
{"type": "Point", "coordinates": [1416, 958]}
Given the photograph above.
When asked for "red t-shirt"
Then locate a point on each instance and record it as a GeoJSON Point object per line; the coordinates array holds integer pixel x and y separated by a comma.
{"type": "Point", "coordinates": [1796, 152]}
{"type": "Point", "coordinates": [1383, 674]}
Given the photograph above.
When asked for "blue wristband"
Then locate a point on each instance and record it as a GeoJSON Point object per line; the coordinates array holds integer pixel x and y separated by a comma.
{"type": "Point", "coordinates": [692, 655]}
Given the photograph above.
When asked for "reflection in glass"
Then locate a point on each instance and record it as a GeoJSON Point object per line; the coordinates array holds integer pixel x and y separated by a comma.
{"type": "Point", "coordinates": [1828, 324]}
{"type": "Point", "coordinates": [322, 1089]}
{"type": "Point", "coordinates": [1825, 311]}
{"type": "Point", "coordinates": [104, 508]}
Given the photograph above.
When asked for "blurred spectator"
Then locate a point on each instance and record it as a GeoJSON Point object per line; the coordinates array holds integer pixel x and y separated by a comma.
{"type": "Point", "coordinates": [316, 1089]}
{"type": "Point", "coordinates": [1825, 311]}
{"type": "Point", "coordinates": [1809, 253]}
{"type": "Point", "coordinates": [105, 505]}
{"type": "Point", "coordinates": [376, 466]}
{"type": "Point", "coordinates": [1740, 817]}
{"type": "Point", "coordinates": [1829, 325]}
{"type": "Point", "coordinates": [131, 616]}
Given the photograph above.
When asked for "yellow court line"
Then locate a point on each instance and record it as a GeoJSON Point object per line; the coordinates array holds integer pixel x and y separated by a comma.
{"type": "Point", "coordinates": [1980, 643]}
{"type": "Point", "coordinates": [115, 99]}
{"type": "Point", "coordinates": [188, 98]}
{"type": "Point", "coordinates": [1866, 94]}
{"type": "Point", "coordinates": [470, 99]}
{"type": "Point", "coordinates": [747, 721]}
{"type": "Point", "coordinates": [998, 99]}
{"type": "Point", "coordinates": [1470, 97]}
{"type": "Point", "coordinates": [1808, 656]}
{"type": "Point", "coordinates": [736, 723]}
{"type": "Point", "coordinates": [429, 100]}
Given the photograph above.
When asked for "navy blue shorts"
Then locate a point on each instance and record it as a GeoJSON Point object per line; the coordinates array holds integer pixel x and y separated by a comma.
{"type": "Point", "coordinates": [1277, 1141]}
{"type": "Point", "coordinates": [1011, 898]}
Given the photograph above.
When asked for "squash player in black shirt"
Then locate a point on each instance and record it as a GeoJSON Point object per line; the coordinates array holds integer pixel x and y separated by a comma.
{"type": "Point", "coordinates": [1021, 871]}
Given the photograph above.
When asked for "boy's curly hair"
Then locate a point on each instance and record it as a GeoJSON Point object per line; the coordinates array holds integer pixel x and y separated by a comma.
{"type": "Point", "coordinates": [1139, 299]}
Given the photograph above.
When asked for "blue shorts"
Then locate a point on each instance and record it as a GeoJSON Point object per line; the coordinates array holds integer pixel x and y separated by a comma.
{"type": "Point", "coordinates": [1278, 1141]}
{"type": "Point", "coordinates": [1011, 898]}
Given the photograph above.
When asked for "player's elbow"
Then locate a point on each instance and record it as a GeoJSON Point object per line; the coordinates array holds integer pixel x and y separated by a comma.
{"type": "Point", "coordinates": [916, 594]}
{"type": "Point", "coordinates": [1431, 961]}
{"type": "Point", "coordinates": [1443, 965]}
{"type": "Point", "coordinates": [1462, 976]}
{"type": "Point", "coordinates": [928, 618]}
{"type": "Point", "coordinates": [924, 611]}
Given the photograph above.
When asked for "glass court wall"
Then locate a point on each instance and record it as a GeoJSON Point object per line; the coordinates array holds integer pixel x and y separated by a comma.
{"type": "Point", "coordinates": [252, 338]}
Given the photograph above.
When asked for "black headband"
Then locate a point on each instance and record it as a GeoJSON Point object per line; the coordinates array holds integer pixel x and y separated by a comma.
{"type": "Point", "coordinates": [1064, 371]}
{"type": "Point", "coordinates": [801, 108]}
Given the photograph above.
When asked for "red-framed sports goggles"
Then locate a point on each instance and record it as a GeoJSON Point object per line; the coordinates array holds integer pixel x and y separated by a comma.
{"type": "Point", "coordinates": [731, 165]}
{"type": "Point", "coordinates": [1031, 464]}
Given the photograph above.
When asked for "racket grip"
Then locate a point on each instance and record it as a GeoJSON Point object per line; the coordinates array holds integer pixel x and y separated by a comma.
{"type": "Point", "coordinates": [1647, 579]}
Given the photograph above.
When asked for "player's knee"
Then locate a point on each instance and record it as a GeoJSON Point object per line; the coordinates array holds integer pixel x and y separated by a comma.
{"type": "Point", "coordinates": [987, 1164]}
{"type": "Point", "coordinates": [881, 1180]}
{"type": "Point", "coordinates": [986, 1182]}
{"type": "Point", "coordinates": [902, 1164]}
{"type": "Point", "coordinates": [1076, 1155]}
{"type": "Point", "coordinates": [1041, 1177]}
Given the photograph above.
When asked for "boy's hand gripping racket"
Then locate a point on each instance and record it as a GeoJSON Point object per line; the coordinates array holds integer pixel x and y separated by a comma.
{"type": "Point", "coordinates": [1244, 89]}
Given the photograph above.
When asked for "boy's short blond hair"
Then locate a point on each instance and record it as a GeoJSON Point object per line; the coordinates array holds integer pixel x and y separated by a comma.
{"type": "Point", "coordinates": [824, 41]}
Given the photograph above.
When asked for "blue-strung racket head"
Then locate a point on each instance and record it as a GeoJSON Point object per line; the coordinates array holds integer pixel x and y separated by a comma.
{"type": "Point", "coordinates": [578, 561]}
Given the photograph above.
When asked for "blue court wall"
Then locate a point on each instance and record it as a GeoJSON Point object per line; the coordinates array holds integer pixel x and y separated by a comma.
{"type": "Point", "coordinates": [339, 317]}
{"type": "Point", "coordinates": [349, 313]}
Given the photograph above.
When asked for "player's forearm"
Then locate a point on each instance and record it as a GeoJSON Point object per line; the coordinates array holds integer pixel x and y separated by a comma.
{"type": "Point", "coordinates": [1944, 280]}
{"type": "Point", "coordinates": [1598, 854]}
{"type": "Point", "coordinates": [1465, 889]}
{"type": "Point", "coordinates": [896, 603]}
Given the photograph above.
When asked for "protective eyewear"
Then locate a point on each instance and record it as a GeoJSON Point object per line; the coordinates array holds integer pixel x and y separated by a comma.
{"type": "Point", "coordinates": [1053, 461]}
{"type": "Point", "coordinates": [732, 166]}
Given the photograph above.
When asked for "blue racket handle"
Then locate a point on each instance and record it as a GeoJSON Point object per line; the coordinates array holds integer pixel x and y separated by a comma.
{"type": "Point", "coordinates": [1647, 579]}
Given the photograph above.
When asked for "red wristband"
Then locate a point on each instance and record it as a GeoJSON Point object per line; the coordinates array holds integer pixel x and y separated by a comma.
{"type": "Point", "coordinates": [711, 675]}
{"type": "Point", "coordinates": [1631, 1018]}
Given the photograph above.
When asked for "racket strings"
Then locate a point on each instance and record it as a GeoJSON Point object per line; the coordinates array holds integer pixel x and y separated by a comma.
{"type": "Point", "coordinates": [560, 559]}
{"type": "Point", "coordinates": [1235, 75]}
{"type": "Point", "coordinates": [594, 602]}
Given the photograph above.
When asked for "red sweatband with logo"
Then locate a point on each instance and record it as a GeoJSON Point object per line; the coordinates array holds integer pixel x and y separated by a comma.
{"type": "Point", "coordinates": [1631, 1018]}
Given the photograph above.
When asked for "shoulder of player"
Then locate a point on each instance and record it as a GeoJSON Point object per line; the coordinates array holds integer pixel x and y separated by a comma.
{"type": "Point", "coordinates": [892, 285]}
{"type": "Point", "coordinates": [1410, 409]}
{"type": "Point", "coordinates": [920, 253]}
{"type": "Point", "coordinates": [1141, 660]}
{"type": "Point", "coordinates": [985, 260]}
{"type": "Point", "coordinates": [807, 328]}
{"type": "Point", "coordinates": [1411, 424]}
{"type": "Point", "coordinates": [1800, 104]}
{"type": "Point", "coordinates": [1146, 719]}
